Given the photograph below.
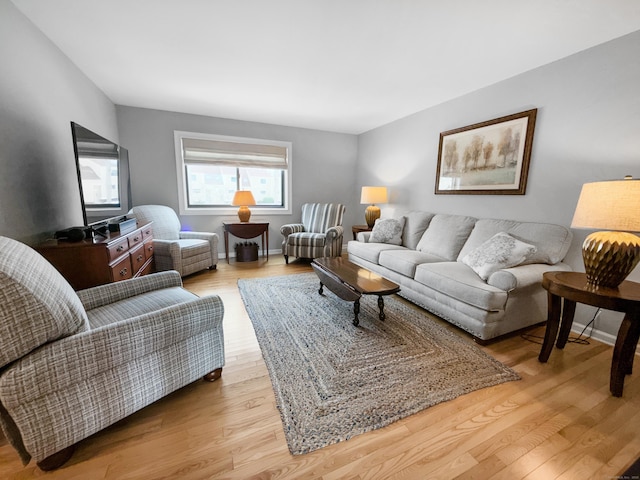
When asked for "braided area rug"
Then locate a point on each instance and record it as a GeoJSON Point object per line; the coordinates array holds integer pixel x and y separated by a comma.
{"type": "Point", "coordinates": [333, 380]}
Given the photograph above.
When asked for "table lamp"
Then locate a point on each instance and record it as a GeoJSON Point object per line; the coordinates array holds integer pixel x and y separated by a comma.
{"type": "Point", "coordinates": [243, 198]}
{"type": "Point", "coordinates": [609, 256]}
{"type": "Point", "coordinates": [373, 195]}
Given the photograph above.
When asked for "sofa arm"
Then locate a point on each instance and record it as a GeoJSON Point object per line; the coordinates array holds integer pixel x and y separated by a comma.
{"type": "Point", "coordinates": [334, 233]}
{"type": "Point", "coordinates": [113, 292]}
{"type": "Point", "coordinates": [363, 237]}
{"type": "Point", "coordinates": [521, 276]}
{"type": "Point", "coordinates": [72, 360]}
{"type": "Point", "coordinates": [290, 228]}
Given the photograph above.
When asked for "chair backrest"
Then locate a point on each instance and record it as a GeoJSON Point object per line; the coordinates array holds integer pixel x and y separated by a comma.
{"type": "Point", "coordinates": [37, 305]}
{"type": "Point", "coordinates": [319, 217]}
{"type": "Point", "coordinates": [166, 224]}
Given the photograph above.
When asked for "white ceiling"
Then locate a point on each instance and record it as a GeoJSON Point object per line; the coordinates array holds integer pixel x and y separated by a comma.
{"type": "Point", "coordinates": [338, 65]}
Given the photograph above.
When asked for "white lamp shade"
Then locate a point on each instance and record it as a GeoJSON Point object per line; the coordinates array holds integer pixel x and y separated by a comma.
{"type": "Point", "coordinates": [609, 205]}
{"type": "Point", "coordinates": [371, 195]}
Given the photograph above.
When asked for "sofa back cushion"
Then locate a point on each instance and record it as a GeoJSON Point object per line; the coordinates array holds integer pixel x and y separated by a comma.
{"type": "Point", "coordinates": [37, 305]}
{"type": "Point", "coordinates": [415, 225]}
{"type": "Point", "coordinates": [446, 235]}
{"type": "Point", "coordinates": [551, 241]}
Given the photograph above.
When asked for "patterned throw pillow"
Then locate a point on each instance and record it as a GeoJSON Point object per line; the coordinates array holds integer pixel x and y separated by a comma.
{"type": "Point", "coordinates": [388, 230]}
{"type": "Point", "coordinates": [500, 251]}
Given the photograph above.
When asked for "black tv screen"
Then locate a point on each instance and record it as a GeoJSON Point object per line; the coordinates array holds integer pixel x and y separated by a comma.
{"type": "Point", "coordinates": [103, 176]}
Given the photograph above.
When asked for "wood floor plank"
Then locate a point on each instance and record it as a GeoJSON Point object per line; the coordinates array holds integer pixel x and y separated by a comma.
{"type": "Point", "coordinates": [558, 422]}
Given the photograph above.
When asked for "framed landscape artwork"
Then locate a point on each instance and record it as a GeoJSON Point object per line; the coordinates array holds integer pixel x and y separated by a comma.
{"type": "Point", "coordinates": [488, 158]}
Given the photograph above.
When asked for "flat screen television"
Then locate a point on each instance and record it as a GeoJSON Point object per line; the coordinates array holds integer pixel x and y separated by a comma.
{"type": "Point", "coordinates": [103, 177]}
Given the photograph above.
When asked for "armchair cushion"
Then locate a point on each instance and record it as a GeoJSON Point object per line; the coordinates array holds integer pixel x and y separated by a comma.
{"type": "Point", "coordinates": [34, 297]}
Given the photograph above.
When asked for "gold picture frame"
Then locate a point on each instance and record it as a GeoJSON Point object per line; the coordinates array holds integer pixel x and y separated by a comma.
{"type": "Point", "coordinates": [487, 158]}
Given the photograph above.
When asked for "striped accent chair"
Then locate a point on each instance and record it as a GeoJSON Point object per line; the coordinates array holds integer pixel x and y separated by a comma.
{"type": "Point", "coordinates": [176, 249]}
{"type": "Point", "coordinates": [73, 363]}
{"type": "Point", "coordinates": [318, 235]}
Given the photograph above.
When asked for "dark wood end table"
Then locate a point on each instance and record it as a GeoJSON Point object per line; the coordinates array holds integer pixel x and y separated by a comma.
{"type": "Point", "coordinates": [565, 289]}
{"type": "Point", "coordinates": [355, 229]}
{"type": "Point", "coordinates": [350, 281]}
{"type": "Point", "coordinates": [246, 230]}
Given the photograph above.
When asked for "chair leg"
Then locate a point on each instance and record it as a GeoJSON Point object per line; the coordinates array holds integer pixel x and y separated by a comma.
{"type": "Point", "coordinates": [286, 259]}
{"type": "Point", "coordinates": [213, 267]}
{"type": "Point", "coordinates": [55, 461]}
{"type": "Point", "coordinates": [213, 376]}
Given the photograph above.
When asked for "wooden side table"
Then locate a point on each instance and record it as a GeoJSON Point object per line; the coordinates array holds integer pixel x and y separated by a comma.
{"type": "Point", "coordinates": [572, 287]}
{"type": "Point", "coordinates": [246, 230]}
{"type": "Point", "coordinates": [359, 228]}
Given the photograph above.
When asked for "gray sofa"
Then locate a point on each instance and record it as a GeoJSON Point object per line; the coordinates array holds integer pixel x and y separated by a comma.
{"type": "Point", "coordinates": [483, 275]}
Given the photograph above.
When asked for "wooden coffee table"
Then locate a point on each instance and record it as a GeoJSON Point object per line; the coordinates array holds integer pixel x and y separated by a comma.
{"type": "Point", "coordinates": [349, 282]}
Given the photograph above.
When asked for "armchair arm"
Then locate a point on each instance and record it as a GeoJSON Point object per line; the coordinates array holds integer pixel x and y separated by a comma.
{"type": "Point", "coordinates": [334, 233]}
{"type": "Point", "coordinates": [290, 228]}
{"type": "Point", "coordinates": [112, 292]}
{"type": "Point", "coordinates": [72, 360]}
{"type": "Point", "coordinates": [210, 237]}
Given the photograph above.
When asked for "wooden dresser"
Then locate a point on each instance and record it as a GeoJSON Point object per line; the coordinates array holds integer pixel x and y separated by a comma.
{"type": "Point", "coordinates": [101, 260]}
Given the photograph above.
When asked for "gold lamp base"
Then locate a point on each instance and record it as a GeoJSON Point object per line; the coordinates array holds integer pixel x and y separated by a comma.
{"type": "Point", "coordinates": [244, 214]}
{"type": "Point", "coordinates": [371, 214]}
{"type": "Point", "coordinates": [609, 257]}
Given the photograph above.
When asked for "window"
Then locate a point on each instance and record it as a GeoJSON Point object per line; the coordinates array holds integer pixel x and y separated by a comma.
{"type": "Point", "coordinates": [211, 168]}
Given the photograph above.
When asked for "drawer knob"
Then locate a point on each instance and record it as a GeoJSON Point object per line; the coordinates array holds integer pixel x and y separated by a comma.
{"type": "Point", "coordinates": [140, 257]}
{"type": "Point", "coordinates": [123, 272]}
{"type": "Point", "coordinates": [136, 239]}
{"type": "Point", "coordinates": [120, 248]}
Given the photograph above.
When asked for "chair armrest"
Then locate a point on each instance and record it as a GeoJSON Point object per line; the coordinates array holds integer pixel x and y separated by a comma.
{"type": "Point", "coordinates": [208, 236]}
{"type": "Point", "coordinates": [334, 232]}
{"type": "Point", "coordinates": [523, 275]}
{"type": "Point", "coordinates": [73, 360]}
{"type": "Point", "coordinates": [113, 292]}
{"type": "Point", "coordinates": [290, 228]}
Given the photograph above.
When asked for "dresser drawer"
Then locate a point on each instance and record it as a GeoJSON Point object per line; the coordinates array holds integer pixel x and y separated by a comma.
{"type": "Point", "coordinates": [121, 270]}
{"type": "Point", "coordinates": [148, 248]}
{"type": "Point", "coordinates": [116, 249]}
{"type": "Point", "coordinates": [135, 238]}
{"type": "Point", "coordinates": [147, 232]}
{"type": "Point", "coordinates": [137, 258]}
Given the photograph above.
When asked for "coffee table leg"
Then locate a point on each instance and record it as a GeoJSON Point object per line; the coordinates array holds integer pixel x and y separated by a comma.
{"type": "Point", "coordinates": [381, 307]}
{"type": "Point", "coordinates": [356, 311]}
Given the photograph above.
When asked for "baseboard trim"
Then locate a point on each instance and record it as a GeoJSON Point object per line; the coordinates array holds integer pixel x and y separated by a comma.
{"type": "Point", "coordinates": [599, 335]}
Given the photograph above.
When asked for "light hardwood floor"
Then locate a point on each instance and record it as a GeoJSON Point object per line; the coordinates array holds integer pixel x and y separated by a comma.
{"type": "Point", "coordinates": [558, 422]}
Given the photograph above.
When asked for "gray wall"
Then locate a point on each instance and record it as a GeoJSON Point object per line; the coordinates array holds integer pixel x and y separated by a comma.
{"type": "Point", "coordinates": [323, 165]}
{"type": "Point", "coordinates": [588, 129]}
{"type": "Point", "coordinates": [41, 92]}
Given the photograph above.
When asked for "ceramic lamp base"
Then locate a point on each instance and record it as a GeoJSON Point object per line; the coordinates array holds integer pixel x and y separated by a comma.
{"type": "Point", "coordinates": [609, 257]}
{"type": "Point", "coordinates": [244, 214]}
{"type": "Point", "coordinates": [371, 214]}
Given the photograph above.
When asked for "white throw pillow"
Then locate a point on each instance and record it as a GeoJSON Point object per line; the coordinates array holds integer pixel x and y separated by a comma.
{"type": "Point", "coordinates": [500, 251]}
{"type": "Point", "coordinates": [388, 230]}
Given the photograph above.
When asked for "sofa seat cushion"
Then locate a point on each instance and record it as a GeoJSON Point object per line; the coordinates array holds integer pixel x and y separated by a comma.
{"type": "Point", "coordinates": [307, 239]}
{"type": "Point", "coordinates": [459, 281]}
{"type": "Point", "coordinates": [370, 251]}
{"type": "Point", "coordinates": [405, 261]}
{"type": "Point", "coordinates": [446, 235]}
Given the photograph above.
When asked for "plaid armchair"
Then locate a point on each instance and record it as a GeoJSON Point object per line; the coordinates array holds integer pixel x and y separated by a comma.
{"type": "Point", "coordinates": [318, 235]}
{"type": "Point", "coordinates": [73, 363]}
{"type": "Point", "coordinates": [176, 249]}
